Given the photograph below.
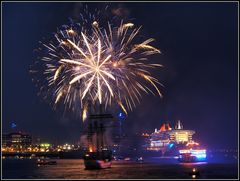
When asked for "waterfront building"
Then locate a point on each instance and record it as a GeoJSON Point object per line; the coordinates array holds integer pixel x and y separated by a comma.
{"type": "Point", "coordinates": [16, 140]}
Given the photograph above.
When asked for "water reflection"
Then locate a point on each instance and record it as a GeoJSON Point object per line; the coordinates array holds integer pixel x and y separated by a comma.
{"type": "Point", "coordinates": [74, 169]}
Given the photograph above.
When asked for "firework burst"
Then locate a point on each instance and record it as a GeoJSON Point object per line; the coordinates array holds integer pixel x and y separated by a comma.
{"type": "Point", "coordinates": [99, 63]}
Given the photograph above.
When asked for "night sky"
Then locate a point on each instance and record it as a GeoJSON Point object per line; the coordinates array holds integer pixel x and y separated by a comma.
{"type": "Point", "coordinates": [198, 42]}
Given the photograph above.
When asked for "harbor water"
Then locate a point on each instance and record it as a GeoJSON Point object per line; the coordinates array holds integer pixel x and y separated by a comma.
{"type": "Point", "coordinates": [152, 168]}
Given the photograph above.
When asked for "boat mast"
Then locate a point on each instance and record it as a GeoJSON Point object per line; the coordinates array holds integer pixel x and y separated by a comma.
{"type": "Point", "coordinates": [97, 126]}
{"type": "Point", "coordinates": [100, 129]}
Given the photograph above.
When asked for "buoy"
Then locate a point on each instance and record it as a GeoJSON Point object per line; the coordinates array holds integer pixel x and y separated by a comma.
{"type": "Point", "coordinates": [194, 173]}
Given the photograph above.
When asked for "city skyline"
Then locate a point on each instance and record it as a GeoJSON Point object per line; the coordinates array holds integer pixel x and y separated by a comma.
{"type": "Point", "coordinates": [198, 42]}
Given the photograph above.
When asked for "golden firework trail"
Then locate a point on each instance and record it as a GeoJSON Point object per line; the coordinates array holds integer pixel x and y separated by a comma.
{"type": "Point", "coordinates": [101, 63]}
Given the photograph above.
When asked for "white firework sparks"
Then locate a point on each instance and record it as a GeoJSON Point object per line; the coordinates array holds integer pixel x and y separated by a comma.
{"type": "Point", "coordinates": [104, 65]}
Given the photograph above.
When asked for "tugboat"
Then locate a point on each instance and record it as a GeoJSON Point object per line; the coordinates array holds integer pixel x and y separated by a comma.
{"type": "Point", "coordinates": [98, 155]}
{"type": "Point", "coordinates": [45, 162]}
{"type": "Point", "coordinates": [192, 153]}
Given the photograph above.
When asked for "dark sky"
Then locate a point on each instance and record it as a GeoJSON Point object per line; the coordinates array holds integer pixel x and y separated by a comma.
{"type": "Point", "coordinates": [199, 53]}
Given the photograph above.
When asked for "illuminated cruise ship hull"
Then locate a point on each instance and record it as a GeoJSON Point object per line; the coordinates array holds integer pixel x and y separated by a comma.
{"type": "Point", "coordinates": [168, 140]}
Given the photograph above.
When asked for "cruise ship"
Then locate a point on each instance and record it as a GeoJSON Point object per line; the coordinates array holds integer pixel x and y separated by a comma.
{"type": "Point", "coordinates": [168, 140]}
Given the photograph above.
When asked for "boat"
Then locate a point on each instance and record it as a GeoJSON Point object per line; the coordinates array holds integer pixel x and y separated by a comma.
{"type": "Point", "coordinates": [167, 140]}
{"type": "Point", "coordinates": [139, 160]}
{"type": "Point", "coordinates": [99, 156]}
{"type": "Point", "coordinates": [98, 160]}
{"type": "Point", "coordinates": [192, 153]}
{"type": "Point", "coordinates": [46, 162]}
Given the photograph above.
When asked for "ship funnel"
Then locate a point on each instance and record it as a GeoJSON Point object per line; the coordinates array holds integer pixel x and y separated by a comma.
{"type": "Point", "coordinates": [179, 125]}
